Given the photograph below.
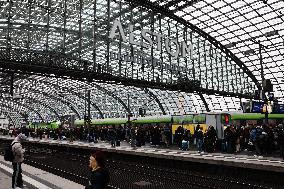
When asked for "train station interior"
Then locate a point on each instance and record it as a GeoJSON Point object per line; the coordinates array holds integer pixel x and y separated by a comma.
{"type": "Point", "coordinates": [173, 93]}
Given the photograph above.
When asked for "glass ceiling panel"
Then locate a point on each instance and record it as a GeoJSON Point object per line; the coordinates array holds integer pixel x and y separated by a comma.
{"type": "Point", "coordinates": [243, 21]}
{"type": "Point", "coordinates": [56, 27]}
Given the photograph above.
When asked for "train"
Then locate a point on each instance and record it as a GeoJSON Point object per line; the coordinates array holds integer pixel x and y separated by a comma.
{"type": "Point", "coordinates": [218, 120]}
{"type": "Point", "coordinates": [50, 125]}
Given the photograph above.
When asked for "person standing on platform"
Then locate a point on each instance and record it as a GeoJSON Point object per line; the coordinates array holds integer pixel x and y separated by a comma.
{"type": "Point", "coordinates": [210, 139]}
{"type": "Point", "coordinates": [99, 178]}
{"type": "Point", "coordinates": [281, 140]}
{"type": "Point", "coordinates": [230, 138]}
{"type": "Point", "coordinates": [178, 136]}
{"type": "Point", "coordinates": [199, 139]}
{"type": "Point", "coordinates": [133, 136]}
{"type": "Point", "coordinates": [112, 136]}
{"type": "Point", "coordinates": [18, 151]}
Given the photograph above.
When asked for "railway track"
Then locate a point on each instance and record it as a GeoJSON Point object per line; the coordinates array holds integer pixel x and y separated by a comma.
{"type": "Point", "coordinates": [134, 172]}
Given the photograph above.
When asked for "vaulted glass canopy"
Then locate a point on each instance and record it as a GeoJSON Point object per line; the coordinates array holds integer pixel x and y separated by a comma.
{"type": "Point", "coordinates": [241, 26]}
{"type": "Point", "coordinates": [223, 61]}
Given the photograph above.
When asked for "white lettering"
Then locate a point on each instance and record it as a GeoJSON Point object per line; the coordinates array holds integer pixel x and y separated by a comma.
{"type": "Point", "coordinates": [159, 38]}
{"type": "Point", "coordinates": [186, 49]}
{"type": "Point", "coordinates": [148, 39]}
{"type": "Point", "coordinates": [167, 42]}
{"type": "Point", "coordinates": [113, 32]}
{"type": "Point", "coordinates": [131, 36]}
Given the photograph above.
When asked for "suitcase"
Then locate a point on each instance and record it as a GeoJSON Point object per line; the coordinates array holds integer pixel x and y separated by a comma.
{"type": "Point", "coordinates": [184, 145]}
{"type": "Point", "coordinates": [138, 143]}
{"type": "Point", "coordinates": [223, 147]}
{"type": "Point", "coordinates": [118, 143]}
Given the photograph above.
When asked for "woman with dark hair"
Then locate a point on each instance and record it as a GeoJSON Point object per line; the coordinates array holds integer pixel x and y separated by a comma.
{"type": "Point", "coordinates": [99, 178]}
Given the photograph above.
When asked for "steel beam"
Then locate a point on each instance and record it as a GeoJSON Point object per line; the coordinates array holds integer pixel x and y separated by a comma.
{"type": "Point", "coordinates": [104, 78]}
{"type": "Point", "coordinates": [204, 102]}
{"type": "Point", "coordinates": [151, 94]}
{"type": "Point", "coordinates": [69, 104]}
{"type": "Point", "coordinates": [10, 108]}
{"type": "Point", "coordinates": [54, 66]}
{"type": "Point", "coordinates": [159, 9]}
{"type": "Point", "coordinates": [14, 121]}
{"type": "Point", "coordinates": [69, 91]}
{"type": "Point", "coordinates": [45, 105]}
{"type": "Point", "coordinates": [25, 106]}
{"type": "Point", "coordinates": [113, 96]}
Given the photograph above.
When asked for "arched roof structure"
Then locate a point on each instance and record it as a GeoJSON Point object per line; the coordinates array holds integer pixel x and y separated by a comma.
{"type": "Point", "coordinates": [54, 51]}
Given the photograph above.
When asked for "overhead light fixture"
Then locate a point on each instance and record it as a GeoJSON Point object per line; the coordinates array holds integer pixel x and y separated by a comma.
{"type": "Point", "coordinates": [230, 45]}
{"type": "Point", "coordinates": [271, 33]}
{"type": "Point", "coordinates": [248, 52]}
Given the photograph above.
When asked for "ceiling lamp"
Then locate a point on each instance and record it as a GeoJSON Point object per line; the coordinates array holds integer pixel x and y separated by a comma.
{"type": "Point", "coordinates": [271, 33]}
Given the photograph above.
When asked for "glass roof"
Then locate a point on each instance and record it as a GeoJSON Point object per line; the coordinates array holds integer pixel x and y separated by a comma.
{"type": "Point", "coordinates": [60, 27]}
{"type": "Point", "coordinates": [46, 99]}
{"type": "Point", "coordinates": [240, 26]}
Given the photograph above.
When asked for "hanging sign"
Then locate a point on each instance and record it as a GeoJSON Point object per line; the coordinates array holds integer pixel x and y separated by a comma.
{"type": "Point", "coordinates": [149, 40]}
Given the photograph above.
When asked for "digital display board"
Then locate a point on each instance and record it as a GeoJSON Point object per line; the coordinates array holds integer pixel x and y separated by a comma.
{"type": "Point", "coordinates": [278, 108]}
{"type": "Point", "coordinates": [257, 107]}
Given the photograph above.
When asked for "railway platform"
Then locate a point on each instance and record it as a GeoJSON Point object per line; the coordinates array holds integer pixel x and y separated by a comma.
{"type": "Point", "coordinates": [34, 178]}
{"type": "Point", "coordinates": [146, 167]}
{"type": "Point", "coordinates": [244, 160]}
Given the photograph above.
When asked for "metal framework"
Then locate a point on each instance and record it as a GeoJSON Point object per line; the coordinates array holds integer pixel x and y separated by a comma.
{"type": "Point", "coordinates": [20, 106]}
{"type": "Point", "coordinates": [15, 118]}
{"type": "Point", "coordinates": [65, 89]}
{"type": "Point", "coordinates": [156, 99]}
{"type": "Point", "coordinates": [69, 40]}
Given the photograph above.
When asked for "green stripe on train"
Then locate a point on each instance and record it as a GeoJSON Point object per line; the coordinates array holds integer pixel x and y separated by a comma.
{"type": "Point", "coordinates": [255, 116]}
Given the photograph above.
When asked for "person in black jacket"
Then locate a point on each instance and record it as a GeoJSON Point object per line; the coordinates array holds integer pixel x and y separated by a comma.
{"type": "Point", "coordinates": [199, 138]}
{"type": "Point", "coordinates": [281, 140]}
{"type": "Point", "coordinates": [230, 136]}
{"type": "Point", "coordinates": [210, 139]}
{"type": "Point", "coordinates": [99, 178]}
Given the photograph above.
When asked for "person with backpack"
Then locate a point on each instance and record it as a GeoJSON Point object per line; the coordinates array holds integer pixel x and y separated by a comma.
{"type": "Point", "coordinates": [18, 152]}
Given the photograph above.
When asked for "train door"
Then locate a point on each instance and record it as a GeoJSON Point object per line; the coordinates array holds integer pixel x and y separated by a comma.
{"type": "Point", "coordinates": [219, 121]}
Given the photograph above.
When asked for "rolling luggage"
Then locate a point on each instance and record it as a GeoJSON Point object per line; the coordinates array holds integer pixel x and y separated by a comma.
{"type": "Point", "coordinates": [223, 147]}
{"type": "Point", "coordinates": [184, 145]}
{"type": "Point", "coordinates": [118, 143]}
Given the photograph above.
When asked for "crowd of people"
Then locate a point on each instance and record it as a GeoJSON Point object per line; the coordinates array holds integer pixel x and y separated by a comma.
{"type": "Point", "coordinates": [135, 135]}
{"type": "Point", "coordinates": [262, 139]}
